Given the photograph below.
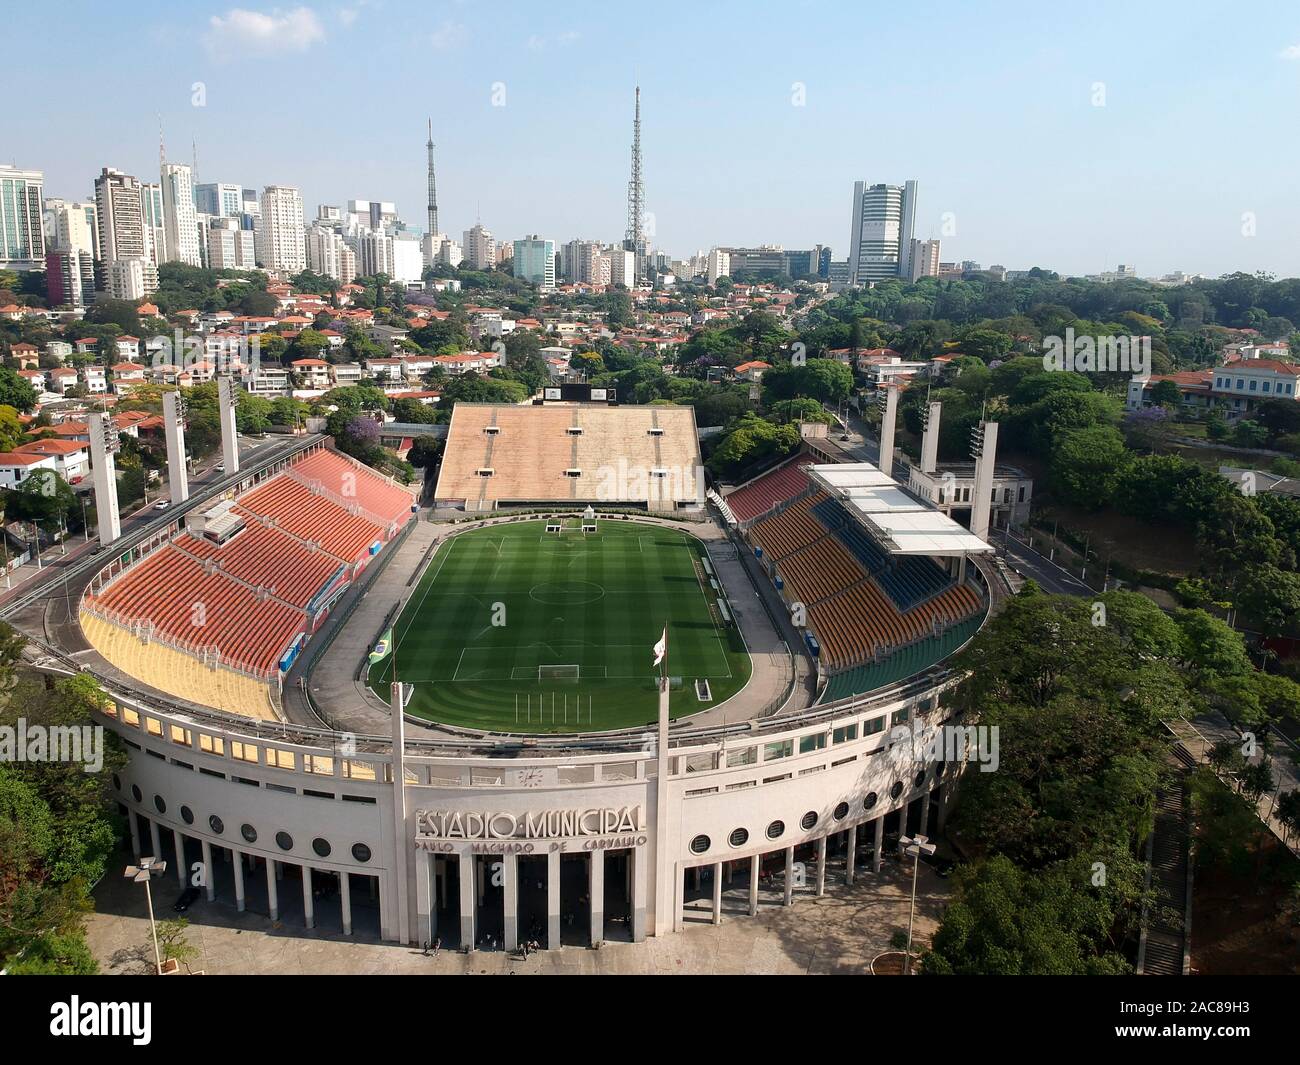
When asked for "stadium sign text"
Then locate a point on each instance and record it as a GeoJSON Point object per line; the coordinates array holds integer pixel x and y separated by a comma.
{"type": "Point", "coordinates": [532, 825]}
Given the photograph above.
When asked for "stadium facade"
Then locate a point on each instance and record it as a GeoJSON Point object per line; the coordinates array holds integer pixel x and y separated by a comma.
{"type": "Point", "coordinates": [421, 832]}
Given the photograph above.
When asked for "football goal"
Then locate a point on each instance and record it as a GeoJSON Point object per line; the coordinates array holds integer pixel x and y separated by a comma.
{"type": "Point", "coordinates": [564, 672]}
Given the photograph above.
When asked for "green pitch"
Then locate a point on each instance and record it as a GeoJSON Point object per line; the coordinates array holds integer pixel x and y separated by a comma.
{"type": "Point", "coordinates": [515, 629]}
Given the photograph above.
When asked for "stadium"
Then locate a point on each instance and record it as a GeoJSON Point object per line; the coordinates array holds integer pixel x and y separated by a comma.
{"type": "Point", "coordinates": [628, 700]}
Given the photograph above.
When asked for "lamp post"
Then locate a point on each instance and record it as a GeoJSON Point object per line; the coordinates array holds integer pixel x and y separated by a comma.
{"type": "Point", "coordinates": [142, 874]}
{"type": "Point", "coordinates": [916, 846]}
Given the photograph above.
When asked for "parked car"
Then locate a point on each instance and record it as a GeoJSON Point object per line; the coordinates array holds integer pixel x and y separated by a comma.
{"type": "Point", "coordinates": [162, 504]}
{"type": "Point", "coordinates": [186, 899]}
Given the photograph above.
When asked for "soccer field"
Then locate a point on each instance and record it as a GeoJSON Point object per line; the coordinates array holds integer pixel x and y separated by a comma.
{"type": "Point", "coordinates": [515, 629]}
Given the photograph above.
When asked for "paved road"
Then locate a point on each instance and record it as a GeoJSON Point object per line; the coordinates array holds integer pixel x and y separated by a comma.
{"type": "Point", "coordinates": [1049, 576]}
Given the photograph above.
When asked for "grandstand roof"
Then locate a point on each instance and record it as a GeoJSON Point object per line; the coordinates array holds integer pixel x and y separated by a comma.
{"type": "Point", "coordinates": [904, 524]}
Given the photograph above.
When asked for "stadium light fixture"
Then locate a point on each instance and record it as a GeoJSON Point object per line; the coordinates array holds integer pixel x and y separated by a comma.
{"type": "Point", "coordinates": [915, 847]}
{"type": "Point", "coordinates": [142, 874]}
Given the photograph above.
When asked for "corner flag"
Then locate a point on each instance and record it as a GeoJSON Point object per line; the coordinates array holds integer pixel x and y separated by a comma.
{"type": "Point", "coordinates": [661, 648]}
{"type": "Point", "coordinates": [382, 648]}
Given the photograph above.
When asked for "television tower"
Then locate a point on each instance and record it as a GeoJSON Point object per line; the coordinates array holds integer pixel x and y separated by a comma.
{"type": "Point", "coordinates": [635, 239]}
{"type": "Point", "coordinates": [433, 188]}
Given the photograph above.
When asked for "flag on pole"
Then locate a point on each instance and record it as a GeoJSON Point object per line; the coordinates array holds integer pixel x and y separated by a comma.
{"type": "Point", "coordinates": [382, 648]}
{"type": "Point", "coordinates": [661, 648]}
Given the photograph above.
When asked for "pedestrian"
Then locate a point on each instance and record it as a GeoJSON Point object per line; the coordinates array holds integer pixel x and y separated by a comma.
{"type": "Point", "coordinates": [436, 944]}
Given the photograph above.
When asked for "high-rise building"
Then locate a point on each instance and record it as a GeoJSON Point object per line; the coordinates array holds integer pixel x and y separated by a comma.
{"type": "Point", "coordinates": [719, 265]}
{"type": "Point", "coordinates": [450, 253]}
{"type": "Point", "coordinates": [72, 227]}
{"type": "Point", "coordinates": [179, 214]}
{"type": "Point", "coordinates": [534, 260]}
{"type": "Point", "coordinates": [155, 223]}
{"type": "Point", "coordinates": [880, 237]}
{"type": "Point", "coordinates": [408, 258]}
{"type": "Point", "coordinates": [622, 267]}
{"type": "Point", "coordinates": [127, 270]}
{"type": "Point", "coordinates": [923, 260]}
{"type": "Point", "coordinates": [375, 253]}
{"type": "Point", "coordinates": [480, 247]}
{"type": "Point", "coordinates": [230, 246]}
{"type": "Point", "coordinates": [22, 230]}
{"type": "Point", "coordinates": [69, 278]}
{"type": "Point", "coordinates": [375, 213]}
{"type": "Point", "coordinates": [577, 259]}
{"type": "Point", "coordinates": [281, 232]}
{"type": "Point", "coordinates": [217, 198]}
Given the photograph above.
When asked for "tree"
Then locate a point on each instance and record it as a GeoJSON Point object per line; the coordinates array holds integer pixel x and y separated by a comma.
{"type": "Point", "coordinates": [824, 380]}
{"type": "Point", "coordinates": [1086, 465]}
{"type": "Point", "coordinates": [43, 499]}
{"type": "Point", "coordinates": [1210, 647]}
{"type": "Point", "coordinates": [15, 392]}
{"type": "Point", "coordinates": [424, 452]}
{"type": "Point", "coordinates": [1166, 394]}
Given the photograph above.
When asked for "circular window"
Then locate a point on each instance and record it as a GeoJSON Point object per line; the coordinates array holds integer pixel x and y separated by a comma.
{"type": "Point", "coordinates": [870, 800]}
{"type": "Point", "coordinates": [809, 820]}
{"type": "Point", "coordinates": [920, 778]}
{"type": "Point", "coordinates": [187, 815]}
{"type": "Point", "coordinates": [117, 782]}
{"type": "Point", "coordinates": [739, 837]}
{"type": "Point", "coordinates": [248, 832]}
{"type": "Point", "coordinates": [321, 847]}
{"type": "Point", "coordinates": [896, 790]}
{"type": "Point", "coordinates": [283, 840]}
{"type": "Point", "coordinates": [136, 793]}
{"type": "Point", "coordinates": [700, 844]}
{"type": "Point", "coordinates": [776, 830]}
{"type": "Point", "coordinates": [160, 804]}
{"type": "Point", "coordinates": [841, 811]}
{"type": "Point", "coordinates": [214, 823]}
{"type": "Point", "coordinates": [361, 852]}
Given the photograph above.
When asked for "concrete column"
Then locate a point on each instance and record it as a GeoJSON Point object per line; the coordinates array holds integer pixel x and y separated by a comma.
{"type": "Point", "coordinates": [880, 844]}
{"type": "Point", "coordinates": [640, 869]}
{"type": "Point", "coordinates": [596, 891]}
{"type": "Point", "coordinates": [345, 898]}
{"type": "Point", "coordinates": [155, 839]}
{"type": "Point", "coordinates": [941, 820]}
{"type": "Point", "coordinates": [132, 820]}
{"type": "Point", "coordinates": [226, 409]}
{"type": "Point", "coordinates": [887, 423]}
{"type": "Point", "coordinates": [821, 867]}
{"type": "Point", "coordinates": [182, 866]}
{"type": "Point", "coordinates": [237, 864]}
{"type": "Point", "coordinates": [425, 918]}
{"type": "Point", "coordinates": [982, 493]}
{"type": "Point", "coordinates": [273, 889]}
{"type": "Point", "coordinates": [178, 481]}
{"type": "Point", "coordinates": [397, 718]}
{"type": "Point", "coordinates": [755, 864]}
{"type": "Point", "coordinates": [925, 813]}
{"type": "Point", "coordinates": [467, 908]}
{"type": "Point", "coordinates": [308, 903]}
{"type": "Point", "coordinates": [850, 859]}
{"type": "Point", "coordinates": [103, 444]}
{"type": "Point", "coordinates": [789, 876]}
{"type": "Point", "coordinates": [717, 893]}
{"type": "Point", "coordinates": [553, 900]}
{"type": "Point", "coordinates": [510, 899]}
{"type": "Point", "coordinates": [930, 438]}
{"type": "Point", "coordinates": [209, 871]}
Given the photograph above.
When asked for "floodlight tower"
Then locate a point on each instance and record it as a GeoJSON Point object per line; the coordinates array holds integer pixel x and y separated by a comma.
{"type": "Point", "coordinates": [178, 478]}
{"type": "Point", "coordinates": [103, 446]}
{"type": "Point", "coordinates": [889, 416]}
{"type": "Point", "coordinates": [984, 449]}
{"type": "Point", "coordinates": [229, 438]}
{"type": "Point", "coordinates": [930, 438]}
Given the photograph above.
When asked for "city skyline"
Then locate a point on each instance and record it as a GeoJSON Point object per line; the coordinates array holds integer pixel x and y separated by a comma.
{"type": "Point", "coordinates": [723, 164]}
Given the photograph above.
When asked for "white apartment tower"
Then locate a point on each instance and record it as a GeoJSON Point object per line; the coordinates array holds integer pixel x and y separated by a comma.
{"type": "Point", "coordinates": [229, 246]}
{"type": "Point", "coordinates": [880, 236]}
{"type": "Point", "coordinates": [179, 215]}
{"type": "Point", "coordinates": [281, 232]}
{"type": "Point", "coordinates": [924, 259]}
{"type": "Point", "coordinates": [128, 271]}
{"type": "Point", "coordinates": [480, 247]}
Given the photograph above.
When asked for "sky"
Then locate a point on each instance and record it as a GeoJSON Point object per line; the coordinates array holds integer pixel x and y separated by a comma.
{"type": "Point", "coordinates": [1161, 135]}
